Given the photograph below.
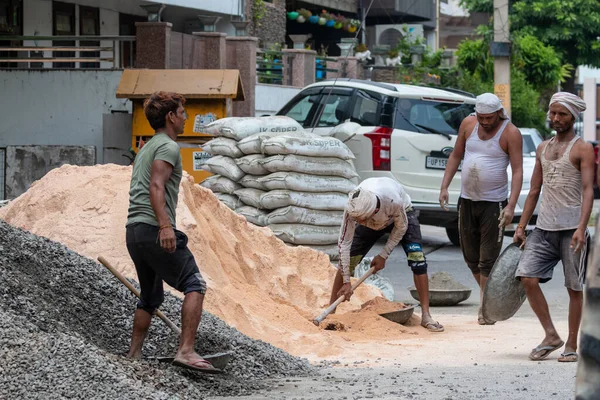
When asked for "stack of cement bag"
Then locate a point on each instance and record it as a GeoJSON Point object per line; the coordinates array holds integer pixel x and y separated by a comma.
{"type": "Point", "coordinates": [277, 175]}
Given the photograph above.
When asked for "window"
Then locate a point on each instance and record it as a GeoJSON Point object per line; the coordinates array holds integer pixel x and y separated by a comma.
{"type": "Point", "coordinates": [89, 25]}
{"type": "Point", "coordinates": [333, 109]}
{"type": "Point", "coordinates": [303, 107]}
{"type": "Point", "coordinates": [11, 22]}
{"type": "Point", "coordinates": [430, 116]}
{"type": "Point", "coordinates": [127, 28]}
{"type": "Point", "coordinates": [366, 109]}
{"type": "Point", "coordinates": [63, 24]}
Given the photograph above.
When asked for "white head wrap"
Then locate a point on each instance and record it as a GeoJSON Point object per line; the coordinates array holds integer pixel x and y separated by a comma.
{"type": "Point", "coordinates": [361, 203]}
{"type": "Point", "coordinates": [488, 103]}
{"type": "Point", "coordinates": [573, 103]}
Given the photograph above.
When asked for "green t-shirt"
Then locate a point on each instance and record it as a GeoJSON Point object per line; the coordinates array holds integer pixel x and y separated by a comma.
{"type": "Point", "coordinates": [160, 147]}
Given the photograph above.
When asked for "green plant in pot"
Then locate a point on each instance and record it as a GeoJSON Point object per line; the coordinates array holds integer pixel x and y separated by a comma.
{"type": "Point", "coordinates": [324, 17]}
{"type": "Point", "coordinates": [303, 15]}
{"type": "Point", "coordinates": [292, 15]}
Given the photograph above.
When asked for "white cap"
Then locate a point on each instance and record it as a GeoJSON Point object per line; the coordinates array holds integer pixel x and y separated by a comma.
{"type": "Point", "coordinates": [488, 103]}
{"type": "Point", "coordinates": [361, 203]}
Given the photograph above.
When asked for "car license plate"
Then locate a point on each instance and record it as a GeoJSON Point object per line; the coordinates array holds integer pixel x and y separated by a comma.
{"type": "Point", "coordinates": [438, 163]}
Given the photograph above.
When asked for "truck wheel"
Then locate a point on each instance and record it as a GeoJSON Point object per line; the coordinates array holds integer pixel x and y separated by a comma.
{"type": "Point", "coordinates": [453, 235]}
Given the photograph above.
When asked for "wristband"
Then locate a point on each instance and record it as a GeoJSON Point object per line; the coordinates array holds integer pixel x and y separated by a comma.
{"type": "Point", "coordinates": [520, 226]}
{"type": "Point", "coordinates": [163, 227]}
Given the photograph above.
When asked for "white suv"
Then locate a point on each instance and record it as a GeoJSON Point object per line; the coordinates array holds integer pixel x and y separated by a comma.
{"type": "Point", "coordinates": [407, 133]}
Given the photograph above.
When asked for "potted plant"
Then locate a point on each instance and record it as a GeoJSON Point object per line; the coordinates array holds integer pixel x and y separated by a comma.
{"type": "Point", "coordinates": [303, 15]}
{"type": "Point", "coordinates": [313, 19]}
{"type": "Point", "coordinates": [354, 24]}
{"type": "Point", "coordinates": [362, 52]}
{"type": "Point", "coordinates": [339, 21]}
{"type": "Point", "coordinates": [330, 20]}
{"type": "Point", "coordinates": [393, 58]}
{"type": "Point", "coordinates": [324, 17]}
{"type": "Point", "coordinates": [292, 15]}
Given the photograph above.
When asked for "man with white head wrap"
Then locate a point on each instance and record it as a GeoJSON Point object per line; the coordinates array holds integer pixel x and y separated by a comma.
{"type": "Point", "coordinates": [489, 142]}
{"type": "Point", "coordinates": [565, 169]}
{"type": "Point", "coordinates": [376, 207]}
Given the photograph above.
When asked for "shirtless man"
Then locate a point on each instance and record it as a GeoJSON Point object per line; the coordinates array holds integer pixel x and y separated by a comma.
{"type": "Point", "coordinates": [488, 141]}
{"type": "Point", "coordinates": [565, 168]}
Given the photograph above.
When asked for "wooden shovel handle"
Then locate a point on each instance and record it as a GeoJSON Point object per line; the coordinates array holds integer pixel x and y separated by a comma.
{"type": "Point", "coordinates": [125, 282]}
{"type": "Point", "coordinates": [333, 306]}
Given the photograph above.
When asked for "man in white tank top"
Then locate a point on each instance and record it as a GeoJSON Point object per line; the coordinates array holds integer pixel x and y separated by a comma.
{"type": "Point", "coordinates": [489, 142]}
{"type": "Point", "coordinates": [565, 168]}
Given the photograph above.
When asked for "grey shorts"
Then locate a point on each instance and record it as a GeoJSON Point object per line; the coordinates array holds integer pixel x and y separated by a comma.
{"type": "Point", "coordinates": [154, 265]}
{"type": "Point", "coordinates": [544, 249]}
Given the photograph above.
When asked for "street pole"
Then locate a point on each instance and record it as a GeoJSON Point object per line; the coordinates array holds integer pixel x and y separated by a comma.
{"type": "Point", "coordinates": [500, 50]}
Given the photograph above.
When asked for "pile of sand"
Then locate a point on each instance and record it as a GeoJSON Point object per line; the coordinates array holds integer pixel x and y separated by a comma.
{"type": "Point", "coordinates": [257, 284]}
{"type": "Point", "coordinates": [444, 281]}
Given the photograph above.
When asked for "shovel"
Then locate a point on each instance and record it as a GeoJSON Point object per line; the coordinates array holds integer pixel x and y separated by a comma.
{"type": "Point", "coordinates": [333, 306]}
{"type": "Point", "coordinates": [218, 360]}
{"type": "Point", "coordinates": [125, 282]}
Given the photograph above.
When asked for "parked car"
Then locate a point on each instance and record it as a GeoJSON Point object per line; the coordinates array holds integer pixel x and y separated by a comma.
{"type": "Point", "coordinates": [407, 133]}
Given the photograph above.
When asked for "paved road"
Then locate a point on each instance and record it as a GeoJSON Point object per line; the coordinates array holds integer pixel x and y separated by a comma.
{"type": "Point", "coordinates": [477, 370]}
{"type": "Point", "coordinates": [443, 256]}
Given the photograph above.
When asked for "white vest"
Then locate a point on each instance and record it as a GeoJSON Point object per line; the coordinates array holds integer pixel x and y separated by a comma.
{"type": "Point", "coordinates": [484, 176]}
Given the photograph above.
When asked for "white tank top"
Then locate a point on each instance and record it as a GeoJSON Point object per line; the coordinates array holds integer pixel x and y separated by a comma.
{"type": "Point", "coordinates": [484, 176]}
{"type": "Point", "coordinates": [562, 192]}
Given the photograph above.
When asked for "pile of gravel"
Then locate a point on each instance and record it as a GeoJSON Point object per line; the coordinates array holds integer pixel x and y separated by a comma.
{"type": "Point", "coordinates": [65, 322]}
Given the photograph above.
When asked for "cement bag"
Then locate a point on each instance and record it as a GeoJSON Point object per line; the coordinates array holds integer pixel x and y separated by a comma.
{"type": "Point", "coordinates": [222, 147]}
{"type": "Point", "coordinates": [239, 128]}
{"type": "Point", "coordinates": [306, 183]}
{"type": "Point", "coordinates": [345, 130]}
{"type": "Point", "coordinates": [253, 215]}
{"type": "Point", "coordinates": [229, 200]}
{"type": "Point", "coordinates": [251, 181]}
{"type": "Point", "coordinates": [251, 164]}
{"type": "Point", "coordinates": [380, 282]}
{"type": "Point", "coordinates": [307, 146]}
{"type": "Point", "coordinates": [220, 184]}
{"type": "Point", "coordinates": [250, 196]}
{"type": "Point", "coordinates": [309, 165]}
{"type": "Point", "coordinates": [306, 234]}
{"type": "Point", "coordinates": [300, 215]}
{"type": "Point", "coordinates": [252, 144]}
{"type": "Point", "coordinates": [224, 166]}
{"type": "Point", "coordinates": [316, 201]}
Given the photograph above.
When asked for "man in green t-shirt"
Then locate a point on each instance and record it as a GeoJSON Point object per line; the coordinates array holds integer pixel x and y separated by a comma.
{"type": "Point", "coordinates": [158, 250]}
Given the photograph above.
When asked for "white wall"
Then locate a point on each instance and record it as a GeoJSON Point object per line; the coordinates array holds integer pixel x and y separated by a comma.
{"type": "Point", "coordinates": [589, 116]}
{"type": "Point", "coordinates": [271, 98]}
{"type": "Point", "coordinates": [217, 6]}
{"type": "Point", "coordinates": [57, 107]}
{"type": "Point", "coordinates": [109, 25]}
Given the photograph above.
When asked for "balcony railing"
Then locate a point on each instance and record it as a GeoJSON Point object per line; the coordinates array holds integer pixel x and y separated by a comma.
{"type": "Point", "coordinates": [321, 69]}
{"type": "Point", "coordinates": [67, 51]}
{"type": "Point", "coordinates": [269, 67]}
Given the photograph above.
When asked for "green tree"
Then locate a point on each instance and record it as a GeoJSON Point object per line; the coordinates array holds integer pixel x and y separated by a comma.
{"type": "Point", "coordinates": [570, 26]}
